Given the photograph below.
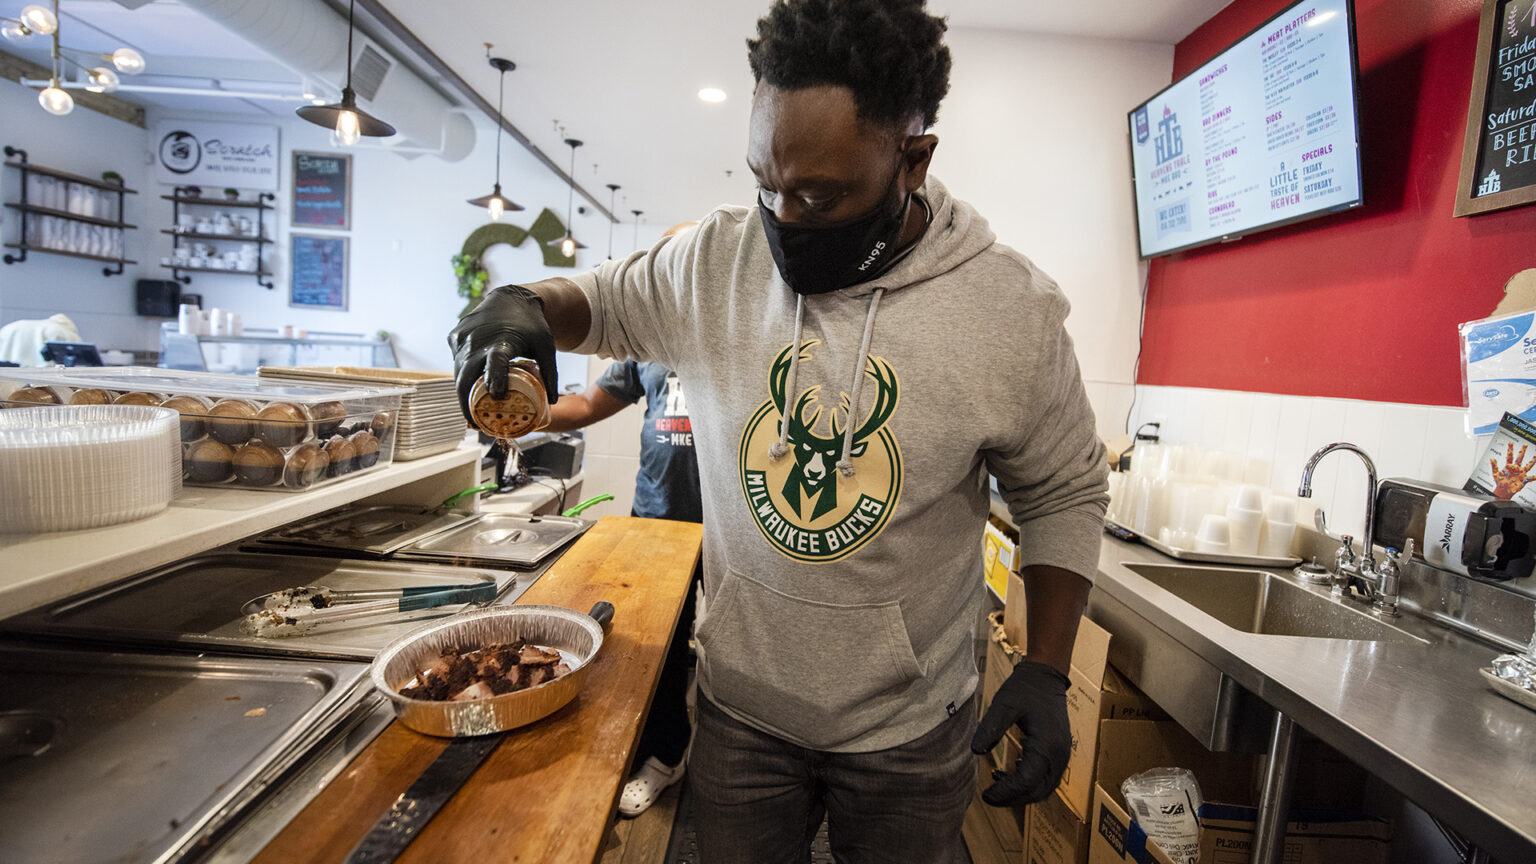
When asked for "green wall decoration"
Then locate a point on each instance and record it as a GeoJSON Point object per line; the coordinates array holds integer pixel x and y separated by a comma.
{"type": "Point", "coordinates": [471, 273]}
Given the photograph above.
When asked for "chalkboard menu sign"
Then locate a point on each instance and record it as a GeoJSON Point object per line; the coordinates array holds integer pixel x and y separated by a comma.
{"type": "Point", "coordinates": [319, 264]}
{"type": "Point", "coordinates": [322, 190]}
{"type": "Point", "coordinates": [1498, 157]}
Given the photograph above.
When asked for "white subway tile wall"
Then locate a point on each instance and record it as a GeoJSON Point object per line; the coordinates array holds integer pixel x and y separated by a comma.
{"type": "Point", "coordinates": [1426, 442]}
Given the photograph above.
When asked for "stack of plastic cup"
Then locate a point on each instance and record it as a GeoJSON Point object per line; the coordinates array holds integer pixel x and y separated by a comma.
{"type": "Point", "coordinates": [1279, 527]}
{"type": "Point", "coordinates": [1215, 536]}
{"type": "Point", "coordinates": [1245, 520]}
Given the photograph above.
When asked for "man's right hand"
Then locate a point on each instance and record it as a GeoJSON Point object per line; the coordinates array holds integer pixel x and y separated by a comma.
{"type": "Point", "coordinates": [508, 324]}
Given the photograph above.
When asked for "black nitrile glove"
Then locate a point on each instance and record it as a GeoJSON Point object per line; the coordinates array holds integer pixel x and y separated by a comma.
{"type": "Point", "coordinates": [1034, 697]}
{"type": "Point", "coordinates": [509, 323]}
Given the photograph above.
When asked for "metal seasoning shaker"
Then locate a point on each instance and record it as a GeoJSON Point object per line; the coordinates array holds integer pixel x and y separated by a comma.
{"type": "Point", "coordinates": [525, 408]}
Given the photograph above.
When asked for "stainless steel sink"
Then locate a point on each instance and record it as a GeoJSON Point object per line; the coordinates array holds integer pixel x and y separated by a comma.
{"type": "Point", "coordinates": [1217, 710]}
{"type": "Point", "coordinates": [1253, 601]}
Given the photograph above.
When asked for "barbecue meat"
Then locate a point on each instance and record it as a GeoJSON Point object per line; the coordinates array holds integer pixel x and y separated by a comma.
{"type": "Point", "coordinates": [501, 667]}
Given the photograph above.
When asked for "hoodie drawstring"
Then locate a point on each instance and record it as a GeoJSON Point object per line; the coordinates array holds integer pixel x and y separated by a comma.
{"type": "Point", "coordinates": [778, 449]}
{"type": "Point", "coordinates": [845, 464]}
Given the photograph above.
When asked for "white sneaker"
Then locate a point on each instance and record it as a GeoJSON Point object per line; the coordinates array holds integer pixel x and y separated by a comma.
{"type": "Point", "coordinates": [647, 784]}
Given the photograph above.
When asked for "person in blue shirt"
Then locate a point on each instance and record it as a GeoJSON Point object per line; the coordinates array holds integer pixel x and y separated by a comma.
{"type": "Point", "coordinates": [667, 485]}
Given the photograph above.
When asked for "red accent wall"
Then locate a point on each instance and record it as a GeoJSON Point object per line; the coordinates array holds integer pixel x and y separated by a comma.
{"type": "Point", "coordinates": [1362, 304]}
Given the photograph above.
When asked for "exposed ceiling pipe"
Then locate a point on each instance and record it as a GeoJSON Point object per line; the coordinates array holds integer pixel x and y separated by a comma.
{"type": "Point", "coordinates": [311, 39]}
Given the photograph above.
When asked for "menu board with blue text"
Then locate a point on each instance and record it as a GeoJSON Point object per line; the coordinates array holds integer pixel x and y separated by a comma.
{"type": "Point", "coordinates": [1263, 134]}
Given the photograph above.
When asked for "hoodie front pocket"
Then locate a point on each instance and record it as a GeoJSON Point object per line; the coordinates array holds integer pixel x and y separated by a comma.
{"type": "Point", "coordinates": [821, 674]}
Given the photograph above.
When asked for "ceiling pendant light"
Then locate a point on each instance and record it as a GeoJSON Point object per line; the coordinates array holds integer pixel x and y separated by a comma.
{"type": "Point", "coordinates": [102, 80]}
{"type": "Point", "coordinates": [127, 61]}
{"type": "Point", "coordinates": [568, 244]}
{"type": "Point", "coordinates": [613, 191]}
{"type": "Point", "coordinates": [349, 121]}
{"type": "Point", "coordinates": [32, 21]}
{"type": "Point", "coordinates": [53, 98]}
{"type": "Point", "coordinates": [637, 226]}
{"type": "Point", "coordinates": [495, 203]}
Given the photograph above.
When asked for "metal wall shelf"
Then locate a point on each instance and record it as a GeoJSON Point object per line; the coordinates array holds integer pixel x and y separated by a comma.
{"type": "Point", "coordinates": [180, 199]}
{"type": "Point", "coordinates": [67, 254]}
{"type": "Point", "coordinates": [18, 160]}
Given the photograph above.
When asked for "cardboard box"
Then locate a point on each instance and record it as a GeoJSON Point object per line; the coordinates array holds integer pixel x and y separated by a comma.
{"type": "Point", "coordinates": [1096, 692]}
{"type": "Point", "coordinates": [1013, 612]}
{"type": "Point", "coordinates": [1002, 656]}
{"type": "Point", "coordinates": [1008, 824]}
{"type": "Point", "coordinates": [1000, 554]}
{"type": "Point", "coordinates": [1055, 835]}
{"type": "Point", "coordinates": [1226, 830]}
{"type": "Point", "coordinates": [1129, 747]}
{"type": "Point", "coordinates": [1314, 837]}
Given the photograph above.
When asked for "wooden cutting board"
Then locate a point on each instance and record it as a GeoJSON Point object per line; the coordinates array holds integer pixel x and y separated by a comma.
{"type": "Point", "coordinates": [549, 791]}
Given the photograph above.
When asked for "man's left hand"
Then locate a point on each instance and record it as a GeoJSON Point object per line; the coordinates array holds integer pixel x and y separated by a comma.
{"type": "Point", "coordinates": [1035, 698]}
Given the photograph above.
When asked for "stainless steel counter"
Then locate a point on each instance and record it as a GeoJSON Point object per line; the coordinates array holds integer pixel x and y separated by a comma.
{"type": "Point", "coordinates": [1413, 712]}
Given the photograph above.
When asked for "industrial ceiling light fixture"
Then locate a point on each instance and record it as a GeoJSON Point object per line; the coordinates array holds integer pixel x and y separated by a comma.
{"type": "Point", "coordinates": [495, 203]}
{"type": "Point", "coordinates": [637, 226]}
{"type": "Point", "coordinates": [349, 121]}
{"type": "Point", "coordinates": [613, 192]}
{"type": "Point", "coordinates": [568, 244]}
{"type": "Point", "coordinates": [34, 21]}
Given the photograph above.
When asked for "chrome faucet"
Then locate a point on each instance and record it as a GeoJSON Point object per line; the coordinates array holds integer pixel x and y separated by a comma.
{"type": "Point", "coordinates": [1380, 586]}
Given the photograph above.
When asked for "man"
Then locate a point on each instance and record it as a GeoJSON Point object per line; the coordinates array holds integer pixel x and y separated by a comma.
{"type": "Point", "coordinates": [666, 487]}
{"type": "Point", "coordinates": [859, 353]}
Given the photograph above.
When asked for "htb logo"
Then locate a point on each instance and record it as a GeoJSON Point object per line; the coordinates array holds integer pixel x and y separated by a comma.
{"type": "Point", "coordinates": [1170, 137]}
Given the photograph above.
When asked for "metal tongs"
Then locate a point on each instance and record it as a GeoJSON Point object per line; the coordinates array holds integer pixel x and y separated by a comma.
{"type": "Point", "coordinates": [297, 611]}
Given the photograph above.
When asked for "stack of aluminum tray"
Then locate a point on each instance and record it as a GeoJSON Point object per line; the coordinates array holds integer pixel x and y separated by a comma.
{"type": "Point", "coordinates": [360, 532]}
{"type": "Point", "coordinates": [430, 420]}
{"type": "Point", "coordinates": [497, 540]}
{"type": "Point", "coordinates": [148, 757]}
{"type": "Point", "coordinates": [492, 540]}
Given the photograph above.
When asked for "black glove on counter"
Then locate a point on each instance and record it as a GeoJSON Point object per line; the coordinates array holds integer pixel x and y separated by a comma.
{"type": "Point", "coordinates": [509, 323]}
{"type": "Point", "coordinates": [1034, 697]}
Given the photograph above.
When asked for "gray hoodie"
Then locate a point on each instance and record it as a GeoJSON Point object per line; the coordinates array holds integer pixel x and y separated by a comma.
{"type": "Point", "coordinates": [842, 560]}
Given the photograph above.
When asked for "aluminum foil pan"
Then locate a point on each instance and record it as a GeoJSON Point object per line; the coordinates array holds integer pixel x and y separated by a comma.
{"type": "Point", "coordinates": [576, 636]}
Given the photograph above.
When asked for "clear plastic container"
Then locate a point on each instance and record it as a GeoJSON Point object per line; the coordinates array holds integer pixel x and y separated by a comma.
{"type": "Point", "coordinates": [237, 430]}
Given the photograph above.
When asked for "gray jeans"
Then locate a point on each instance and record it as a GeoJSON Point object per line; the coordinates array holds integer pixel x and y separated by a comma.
{"type": "Point", "coordinates": [758, 799]}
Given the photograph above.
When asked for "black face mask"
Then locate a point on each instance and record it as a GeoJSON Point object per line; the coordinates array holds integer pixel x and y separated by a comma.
{"type": "Point", "coordinates": [827, 258]}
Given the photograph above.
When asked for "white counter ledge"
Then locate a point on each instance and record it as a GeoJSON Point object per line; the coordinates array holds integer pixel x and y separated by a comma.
{"type": "Point", "coordinates": [36, 569]}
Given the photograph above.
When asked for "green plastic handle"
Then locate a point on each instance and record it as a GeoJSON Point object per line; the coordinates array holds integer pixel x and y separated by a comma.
{"type": "Point", "coordinates": [454, 499]}
{"type": "Point", "coordinates": [595, 499]}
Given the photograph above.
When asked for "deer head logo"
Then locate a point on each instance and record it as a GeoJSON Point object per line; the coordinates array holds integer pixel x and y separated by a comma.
{"type": "Point", "coordinates": [816, 456]}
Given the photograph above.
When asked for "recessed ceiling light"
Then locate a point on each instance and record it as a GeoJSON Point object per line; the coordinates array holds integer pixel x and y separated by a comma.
{"type": "Point", "coordinates": [712, 94]}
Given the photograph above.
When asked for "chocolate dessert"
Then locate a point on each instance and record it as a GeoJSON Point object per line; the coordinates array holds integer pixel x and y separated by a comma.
{"type": "Point", "coordinates": [258, 464]}
{"type": "Point", "coordinates": [282, 424]}
{"type": "Point", "coordinates": [230, 421]}
{"type": "Point", "coordinates": [208, 461]}
{"type": "Point", "coordinates": [191, 409]}
{"type": "Point", "coordinates": [306, 464]}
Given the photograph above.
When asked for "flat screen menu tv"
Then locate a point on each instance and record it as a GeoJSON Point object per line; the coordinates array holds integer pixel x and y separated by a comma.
{"type": "Point", "coordinates": [1264, 134]}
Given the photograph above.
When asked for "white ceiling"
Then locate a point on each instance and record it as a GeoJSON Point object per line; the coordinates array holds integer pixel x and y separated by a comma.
{"type": "Point", "coordinates": [622, 75]}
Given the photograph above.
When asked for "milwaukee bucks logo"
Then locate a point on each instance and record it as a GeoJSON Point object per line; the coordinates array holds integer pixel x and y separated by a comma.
{"type": "Point", "coordinates": [804, 506]}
